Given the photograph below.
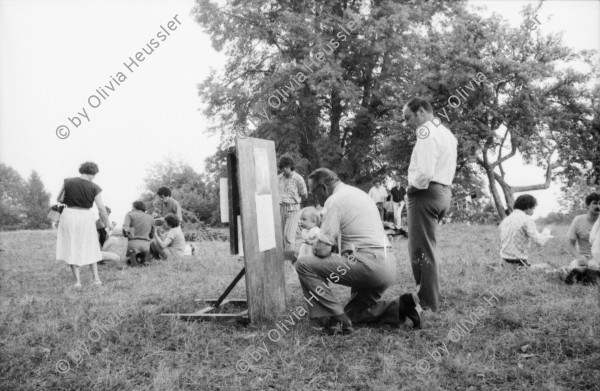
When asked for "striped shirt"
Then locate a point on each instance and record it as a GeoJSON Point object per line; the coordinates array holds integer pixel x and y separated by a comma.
{"type": "Point", "coordinates": [292, 189]}
{"type": "Point", "coordinates": [516, 233]}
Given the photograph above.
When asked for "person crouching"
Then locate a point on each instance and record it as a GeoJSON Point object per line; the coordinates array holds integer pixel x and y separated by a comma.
{"type": "Point", "coordinates": [171, 243]}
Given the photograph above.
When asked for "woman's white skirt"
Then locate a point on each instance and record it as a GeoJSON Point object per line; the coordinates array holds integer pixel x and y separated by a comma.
{"type": "Point", "coordinates": [77, 242]}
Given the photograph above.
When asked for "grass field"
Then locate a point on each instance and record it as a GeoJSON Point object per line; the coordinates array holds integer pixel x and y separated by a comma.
{"type": "Point", "coordinates": [539, 335]}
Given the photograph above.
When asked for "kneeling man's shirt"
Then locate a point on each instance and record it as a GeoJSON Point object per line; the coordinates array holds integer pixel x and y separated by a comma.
{"type": "Point", "coordinates": [351, 213]}
{"type": "Point", "coordinates": [139, 224]}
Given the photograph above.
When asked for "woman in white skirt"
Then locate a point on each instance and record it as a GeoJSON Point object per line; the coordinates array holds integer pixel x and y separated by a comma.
{"type": "Point", "coordinates": [77, 242]}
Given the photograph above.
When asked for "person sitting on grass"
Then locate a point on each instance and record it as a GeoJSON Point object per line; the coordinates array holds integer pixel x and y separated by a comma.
{"type": "Point", "coordinates": [108, 243]}
{"type": "Point", "coordinates": [170, 244]}
{"type": "Point", "coordinates": [518, 230]}
{"type": "Point", "coordinates": [138, 228]}
{"type": "Point", "coordinates": [579, 233]}
{"type": "Point", "coordinates": [580, 239]}
{"type": "Point", "coordinates": [595, 242]}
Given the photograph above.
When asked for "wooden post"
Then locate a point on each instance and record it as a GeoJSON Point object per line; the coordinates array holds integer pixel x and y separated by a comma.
{"type": "Point", "coordinates": [261, 228]}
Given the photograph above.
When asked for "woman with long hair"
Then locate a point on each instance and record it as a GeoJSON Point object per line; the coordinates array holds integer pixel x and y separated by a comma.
{"type": "Point", "coordinates": [77, 242]}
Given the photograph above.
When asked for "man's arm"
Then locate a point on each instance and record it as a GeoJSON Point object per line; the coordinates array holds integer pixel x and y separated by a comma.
{"type": "Point", "coordinates": [371, 193]}
{"type": "Point", "coordinates": [178, 212]}
{"type": "Point", "coordinates": [163, 243]}
{"type": "Point", "coordinates": [572, 244]}
{"type": "Point", "coordinates": [302, 187]}
{"type": "Point", "coordinates": [426, 156]}
{"type": "Point", "coordinates": [330, 231]}
{"type": "Point", "coordinates": [533, 234]}
{"type": "Point", "coordinates": [126, 224]}
{"type": "Point", "coordinates": [595, 233]}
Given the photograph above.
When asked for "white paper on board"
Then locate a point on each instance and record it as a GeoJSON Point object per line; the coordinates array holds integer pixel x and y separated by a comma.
{"type": "Point", "coordinates": [265, 221]}
{"type": "Point", "coordinates": [224, 197]}
{"type": "Point", "coordinates": [261, 170]}
{"type": "Point", "coordinates": [240, 239]}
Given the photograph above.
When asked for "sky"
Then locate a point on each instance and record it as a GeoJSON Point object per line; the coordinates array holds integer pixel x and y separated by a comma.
{"type": "Point", "coordinates": [59, 58]}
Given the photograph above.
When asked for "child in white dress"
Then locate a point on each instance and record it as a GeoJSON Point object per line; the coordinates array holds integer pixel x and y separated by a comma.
{"type": "Point", "coordinates": [310, 220]}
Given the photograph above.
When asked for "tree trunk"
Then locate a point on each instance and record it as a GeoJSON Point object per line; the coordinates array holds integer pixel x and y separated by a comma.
{"type": "Point", "coordinates": [494, 192]}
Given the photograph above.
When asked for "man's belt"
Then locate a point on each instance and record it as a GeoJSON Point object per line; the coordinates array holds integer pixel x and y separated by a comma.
{"type": "Point", "coordinates": [134, 238]}
{"type": "Point", "coordinates": [437, 183]}
{"type": "Point", "coordinates": [517, 261]}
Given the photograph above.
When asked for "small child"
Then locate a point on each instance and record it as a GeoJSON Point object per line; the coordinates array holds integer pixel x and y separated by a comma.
{"type": "Point", "coordinates": [310, 220]}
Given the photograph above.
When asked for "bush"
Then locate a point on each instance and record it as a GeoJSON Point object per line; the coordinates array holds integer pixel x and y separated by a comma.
{"type": "Point", "coordinates": [485, 216]}
{"type": "Point", "coordinates": [197, 232]}
{"type": "Point", "coordinates": [560, 218]}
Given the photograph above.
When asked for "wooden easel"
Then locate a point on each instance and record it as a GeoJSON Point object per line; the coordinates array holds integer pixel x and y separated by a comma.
{"type": "Point", "coordinates": [253, 194]}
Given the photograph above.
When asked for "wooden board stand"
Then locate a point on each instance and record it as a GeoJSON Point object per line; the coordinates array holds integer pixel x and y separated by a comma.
{"type": "Point", "coordinates": [253, 194]}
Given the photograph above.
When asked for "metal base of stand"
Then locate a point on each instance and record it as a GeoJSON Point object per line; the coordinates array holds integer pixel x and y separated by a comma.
{"type": "Point", "coordinates": [206, 313]}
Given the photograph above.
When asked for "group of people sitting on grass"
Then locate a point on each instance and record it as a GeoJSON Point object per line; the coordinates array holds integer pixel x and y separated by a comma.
{"type": "Point", "coordinates": [518, 230]}
{"type": "Point", "coordinates": [81, 240]}
{"type": "Point", "coordinates": [147, 237]}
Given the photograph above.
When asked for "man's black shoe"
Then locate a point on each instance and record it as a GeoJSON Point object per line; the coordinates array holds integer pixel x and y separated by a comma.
{"type": "Point", "coordinates": [410, 308]}
{"type": "Point", "coordinates": [339, 324]}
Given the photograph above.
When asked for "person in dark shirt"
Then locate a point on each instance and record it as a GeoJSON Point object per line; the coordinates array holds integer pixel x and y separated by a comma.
{"type": "Point", "coordinates": [77, 239]}
{"type": "Point", "coordinates": [398, 193]}
{"type": "Point", "coordinates": [167, 205]}
{"type": "Point", "coordinates": [138, 228]}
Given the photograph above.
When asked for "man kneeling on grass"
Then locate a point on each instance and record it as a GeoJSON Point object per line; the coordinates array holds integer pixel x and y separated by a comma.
{"type": "Point", "coordinates": [170, 244]}
{"type": "Point", "coordinates": [138, 228]}
{"type": "Point", "coordinates": [366, 264]}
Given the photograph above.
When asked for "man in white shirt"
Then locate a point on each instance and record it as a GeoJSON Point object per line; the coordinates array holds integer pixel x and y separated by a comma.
{"type": "Point", "coordinates": [379, 194]}
{"type": "Point", "coordinates": [430, 175]}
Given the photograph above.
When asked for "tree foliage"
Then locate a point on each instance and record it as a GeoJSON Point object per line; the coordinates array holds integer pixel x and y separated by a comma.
{"type": "Point", "coordinates": [197, 200]}
{"type": "Point", "coordinates": [514, 92]}
{"type": "Point", "coordinates": [36, 202]}
{"type": "Point", "coordinates": [23, 204]}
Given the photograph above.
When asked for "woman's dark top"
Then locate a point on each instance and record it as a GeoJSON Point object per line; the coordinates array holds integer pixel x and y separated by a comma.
{"type": "Point", "coordinates": [80, 192]}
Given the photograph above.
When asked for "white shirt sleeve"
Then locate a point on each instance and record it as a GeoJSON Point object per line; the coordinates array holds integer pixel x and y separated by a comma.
{"type": "Point", "coordinates": [372, 193]}
{"type": "Point", "coordinates": [534, 235]}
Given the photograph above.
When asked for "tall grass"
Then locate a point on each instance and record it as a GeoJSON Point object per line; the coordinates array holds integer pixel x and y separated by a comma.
{"type": "Point", "coordinates": [539, 335]}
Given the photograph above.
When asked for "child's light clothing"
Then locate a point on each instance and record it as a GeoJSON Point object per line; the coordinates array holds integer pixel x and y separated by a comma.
{"type": "Point", "coordinates": [310, 238]}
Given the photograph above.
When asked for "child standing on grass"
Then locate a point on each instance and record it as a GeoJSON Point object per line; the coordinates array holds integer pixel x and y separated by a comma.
{"type": "Point", "coordinates": [310, 220]}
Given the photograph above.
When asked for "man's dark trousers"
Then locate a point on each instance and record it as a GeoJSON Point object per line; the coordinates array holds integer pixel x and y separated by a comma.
{"type": "Point", "coordinates": [369, 274]}
{"type": "Point", "coordinates": [425, 209]}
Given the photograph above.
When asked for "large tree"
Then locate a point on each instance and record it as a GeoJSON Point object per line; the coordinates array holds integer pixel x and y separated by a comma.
{"type": "Point", "coordinates": [504, 92]}
{"type": "Point", "coordinates": [302, 74]}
